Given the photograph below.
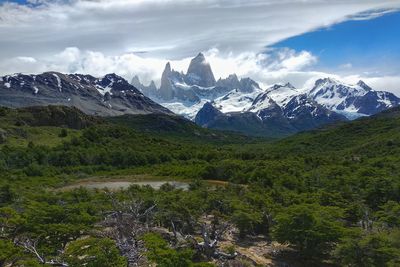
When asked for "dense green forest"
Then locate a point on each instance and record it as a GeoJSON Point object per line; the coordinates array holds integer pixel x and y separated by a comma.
{"type": "Point", "coordinates": [329, 197]}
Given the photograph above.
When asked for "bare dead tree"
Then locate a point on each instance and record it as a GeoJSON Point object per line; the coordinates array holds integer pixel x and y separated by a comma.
{"type": "Point", "coordinates": [366, 223]}
{"type": "Point", "coordinates": [127, 221]}
{"type": "Point", "coordinates": [30, 246]}
{"type": "Point", "coordinates": [209, 246]}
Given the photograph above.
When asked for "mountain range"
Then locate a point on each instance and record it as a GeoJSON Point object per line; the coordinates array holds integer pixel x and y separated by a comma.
{"type": "Point", "coordinates": [242, 105]}
{"type": "Point", "coordinates": [110, 95]}
{"type": "Point", "coordinates": [231, 103]}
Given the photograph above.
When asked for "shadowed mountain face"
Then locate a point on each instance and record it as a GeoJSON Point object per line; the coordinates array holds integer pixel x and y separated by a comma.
{"type": "Point", "coordinates": [200, 73]}
{"type": "Point", "coordinates": [110, 95]}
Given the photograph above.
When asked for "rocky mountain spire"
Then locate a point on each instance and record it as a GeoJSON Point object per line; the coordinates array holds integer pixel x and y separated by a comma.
{"type": "Point", "coordinates": [136, 82]}
{"type": "Point", "coordinates": [166, 90]}
{"type": "Point", "coordinates": [200, 73]}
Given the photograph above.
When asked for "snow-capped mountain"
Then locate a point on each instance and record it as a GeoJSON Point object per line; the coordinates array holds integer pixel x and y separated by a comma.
{"type": "Point", "coordinates": [245, 122]}
{"type": "Point", "coordinates": [185, 94]}
{"type": "Point", "coordinates": [303, 113]}
{"type": "Point", "coordinates": [282, 94]}
{"type": "Point", "coordinates": [351, 100]}
{"type": "Point", "coordinates": [242, 105]}
{"type": "Point", "coordinates": [264, 116]}
{"type": "Point", "coordinates": [106, 96]}
{"type": "Point", "coordinates": [236, 100]}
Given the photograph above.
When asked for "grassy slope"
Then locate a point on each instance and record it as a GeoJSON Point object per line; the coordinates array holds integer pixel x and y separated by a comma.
{"type": "Point", "coordinates": [380, 134]}
{"type": "Point", "coordinates": [41, 125]}
{"type": "Point", "coordinates": [180, 129]}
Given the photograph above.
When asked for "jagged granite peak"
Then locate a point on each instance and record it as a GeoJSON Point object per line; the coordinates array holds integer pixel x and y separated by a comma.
{"type": "Point", "coordinates": [198, 85]}
{"type": "Point", "coordinates": [166, 88]}
{"type": "Point", "coordinates": [245, 85]}
{"type": "Point", "coordinates": [168, 68]}
{"type": "Point", "coordinates": [232, 81]}
{"type": "Point", "coordinates": [109, 95]}
{"type": "Point", "coordinates": [149, 90]}
{"type": "Point", "coordinates": [136, 82]}
{"type": "Point", "coordinates": [248, 85]}
{"type": "Point", "coordinates": [153, 85]}
{"type": "Point", "coordinates": [199, 72]}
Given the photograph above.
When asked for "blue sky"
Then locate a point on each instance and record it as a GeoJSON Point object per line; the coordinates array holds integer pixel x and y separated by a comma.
{"type": "Point", "coordinates": [15, 1]}
{"type": "Point", "coordinates": [368, 45]}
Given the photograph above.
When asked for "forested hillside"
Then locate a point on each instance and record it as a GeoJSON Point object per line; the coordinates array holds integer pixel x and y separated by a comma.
{"type": "Point", "coordinates": [329, 197]}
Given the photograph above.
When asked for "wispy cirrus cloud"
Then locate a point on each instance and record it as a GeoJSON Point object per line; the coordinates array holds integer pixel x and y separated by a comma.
{"type": "Point", "coordinates": [167, 28]}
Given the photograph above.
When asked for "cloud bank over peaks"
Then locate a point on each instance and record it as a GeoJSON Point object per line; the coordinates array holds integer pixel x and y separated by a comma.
{"type": "Point", "coordinates": [273, 66]}
{"type": "Point", "coordinates": [74, 60]}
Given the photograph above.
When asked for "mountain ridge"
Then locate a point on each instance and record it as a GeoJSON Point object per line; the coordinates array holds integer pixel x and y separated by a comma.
{"type": "Point", "coordinates": [110, 95]}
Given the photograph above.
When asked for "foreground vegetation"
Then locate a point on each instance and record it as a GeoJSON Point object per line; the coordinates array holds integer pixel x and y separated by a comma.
{"type": "Point", "coordinates": [331, 195]}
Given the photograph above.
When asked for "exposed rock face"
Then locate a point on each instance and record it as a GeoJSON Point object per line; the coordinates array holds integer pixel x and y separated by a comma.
{"type": "Point", "coordinates": [199, 72]}
{"type": "Point", "coordinates": [136, 82]}
{"type": "Point", "coordinates": [207, 114]}
{"type": "Point", "coordinates": [375, 101]}
{"type": "Point", "coordinates": [110, 95]}
{"type": "Point", "coordinates": [247, 85]}
{"type": "Point", "coordinates": [231, 81]}
{"type": "Point", "coordinates": [149, 90]}
{"type": "Point", "coordinates": [166, 90]}
{"type": "Point", "coordinates": [305, 114]}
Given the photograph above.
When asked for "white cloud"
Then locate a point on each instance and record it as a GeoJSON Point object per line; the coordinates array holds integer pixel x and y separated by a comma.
{"type": "Point", "coordinates": [295, 61]}
{"type": "Point", "coordinates": [73, 60]}
{"type": "Point", "coordinates": [168, 28]}
{"type": "Point", "coordinates": [264, 68]}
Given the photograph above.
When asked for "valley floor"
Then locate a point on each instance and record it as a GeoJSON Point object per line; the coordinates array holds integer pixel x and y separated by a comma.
{"type": "Point", "coordinates": [312, 199]}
